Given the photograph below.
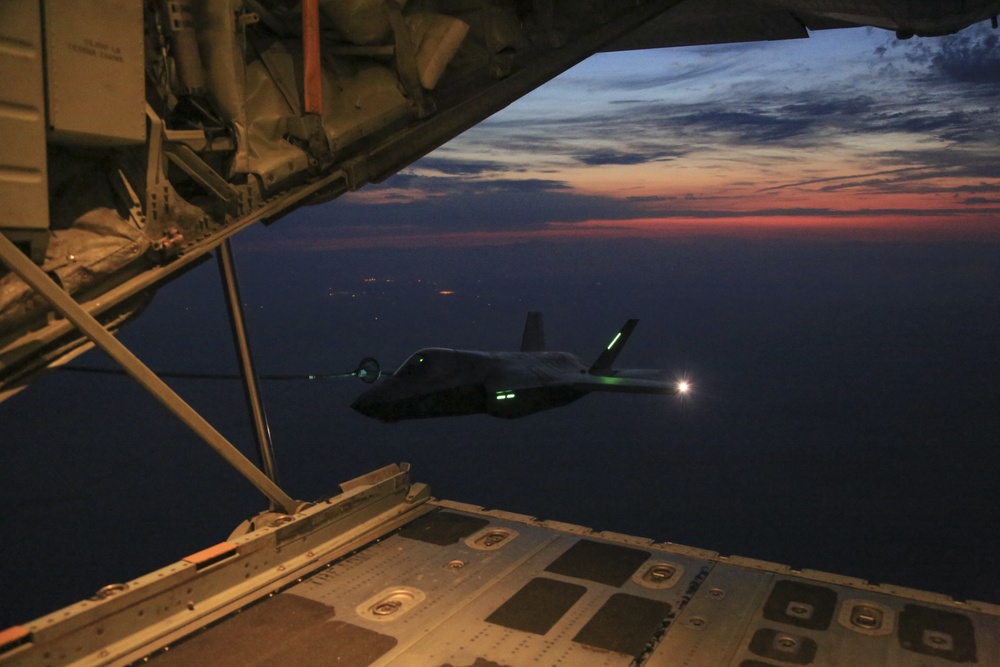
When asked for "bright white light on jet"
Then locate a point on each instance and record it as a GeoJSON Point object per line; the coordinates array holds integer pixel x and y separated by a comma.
{"type": "Point", "coordinates": [683, 387]}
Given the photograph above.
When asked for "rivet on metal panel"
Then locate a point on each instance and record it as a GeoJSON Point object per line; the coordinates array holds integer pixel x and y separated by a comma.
{"type": "Point", "coordinates": [490, 539]}
{"type": "Point", "coordinates": [109, 590]}
{"type": "Point", "coordinates": [494, 538]}
{"type": "Point", "coordinates": [867, 617]}
{"type": "Point", "coordinates": [657, 574]}
{"type": "Point", "coordinates": [786, 643]}
{"type": "Point", "coordinates": [455, 565]}
{"type": "Point", "coordinates": [800, 610]}
{"type": "Point", "coordinates": [390, 603]}
{"type": "Point", "coordinates": [716, 593]}
{"type": "Point", "coordinates": [697, 622]}
{"type": "Point", "coordinates": [937, 640]}
{"type": "Point", "coordinates": [386, 608]}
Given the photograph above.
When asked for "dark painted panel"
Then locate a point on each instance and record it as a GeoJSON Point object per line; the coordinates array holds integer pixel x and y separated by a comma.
{"type": "Point", "coordinates": [624, 623]}
{"type": "Point", "coordinates": [284, 630]}
{"type": "Point", "coordinates": [608, 564]}
{"type": "Point", "coordinates": [442, 528]}
{"type": "Point", "coordinates": [800, 604]}
{"type": "Point", "coordinates": [943, 634]}
{"type": "Point", "coordinates": [537, 606]}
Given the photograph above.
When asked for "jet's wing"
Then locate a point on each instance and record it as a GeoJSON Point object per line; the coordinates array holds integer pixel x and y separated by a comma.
{"type": "Point", "coordinates": [590, 383]}
{"type": "Point", "coordinates": [636, 372]}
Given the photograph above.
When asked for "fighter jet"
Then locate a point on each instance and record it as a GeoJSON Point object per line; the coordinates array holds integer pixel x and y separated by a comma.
{"type": "Point", "coordinates": [438, 382]}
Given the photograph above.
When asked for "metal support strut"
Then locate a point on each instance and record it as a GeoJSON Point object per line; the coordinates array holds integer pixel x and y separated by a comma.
{"type": "Point", "coordinates": [251, 386]}
{"type": "Point", "coordinates": [90, 327]}
{"type": "Point", "coordinates": [312, 74]}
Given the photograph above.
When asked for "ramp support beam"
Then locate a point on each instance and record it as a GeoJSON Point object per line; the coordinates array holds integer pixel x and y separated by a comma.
{"type": "Point", "coordinates": [95, 331]}
{"type": "Point", "coordinates": [251, 385]}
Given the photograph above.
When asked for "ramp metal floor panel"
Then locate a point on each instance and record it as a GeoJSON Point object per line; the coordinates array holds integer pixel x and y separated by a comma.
{"type": "Point", "coordinates": [384, 575]}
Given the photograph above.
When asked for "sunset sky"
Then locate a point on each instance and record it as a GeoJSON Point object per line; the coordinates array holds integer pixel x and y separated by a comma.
{"type": "Point", "coordinates": [848, 132]}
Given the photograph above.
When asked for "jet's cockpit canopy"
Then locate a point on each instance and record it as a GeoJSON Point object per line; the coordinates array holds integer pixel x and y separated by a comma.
{"type": "Point", "coordinates": [428, 364]}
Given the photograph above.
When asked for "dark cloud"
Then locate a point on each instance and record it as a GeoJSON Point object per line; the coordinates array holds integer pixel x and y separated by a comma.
{"type": "Point", "coordinates": [937, 173]}
{"type": "Point", "coordinates": [969, 60]}
{"type": "Point", "coordinates": [533, 206]}
{"type": "Point", "coordinates": [662, 130]}
{"type": "Point", "coordinates": [665, 130]}
{"type": "Point", "coordinates": [971, 56]}
{"type": "Point", "coordinates": [593, 139]}
{"type": "Point", "coordinates": [946, 124]}
{"type": "Point", "coordinates": [813, 212]}
{"type": "Point", "coordinates": [923, 90]}
{"type": "Point", "coordinates": [461, 205]}
{"type": "Point", "coordinates": [462, 185]}
{"type": "Point", "coordinates": [670, 75]}
{"type": "Point", "coordinates": [837, 179]}
{"type": "Point", "coordinates": [914, 184]}
{"type": "Point", "coordinates": [692, 197]}
{"type": "Point", "coordinates": [947, 161]}
{"type": "Point", "coordinates": [825, 105]}
{"type": "Point", "coordinates": [455, 167]}
{"type": "Point", "coordinates": [608, 157]}
{"type": "Point", "coordinates": [637, 155]}
{"type": "Point", "coordinates": [752, 125]}
{"type": "Point", "coordinates": [649, 199]}
{"type": "Point", "coordinates": [934, 88]}
{"type": "Point", "coordinates": [814, 120]}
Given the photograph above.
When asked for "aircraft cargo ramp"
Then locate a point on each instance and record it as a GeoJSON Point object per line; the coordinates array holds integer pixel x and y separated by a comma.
{"type": "Point", "coordinates": [383, 574]}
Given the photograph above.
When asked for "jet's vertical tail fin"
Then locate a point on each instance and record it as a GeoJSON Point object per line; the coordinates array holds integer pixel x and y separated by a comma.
{"type": "Point", "coordinates": [533, 339]}
{"type": "Point", "coordinates": [603, 364]}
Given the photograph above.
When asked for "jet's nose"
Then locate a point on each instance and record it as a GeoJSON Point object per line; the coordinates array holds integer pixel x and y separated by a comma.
{"type": "Point", "coordinates": [367, 406]}
{"type": "Point", "coordinates": [373, 403]}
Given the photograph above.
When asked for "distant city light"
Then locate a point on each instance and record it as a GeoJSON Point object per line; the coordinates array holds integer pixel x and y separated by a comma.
{"type": "Point", "coordinates": [446, 292]}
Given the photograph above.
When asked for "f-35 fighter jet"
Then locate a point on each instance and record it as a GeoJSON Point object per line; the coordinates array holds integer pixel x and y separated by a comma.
{"type": "Point", "coordinates": [438, 382]}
